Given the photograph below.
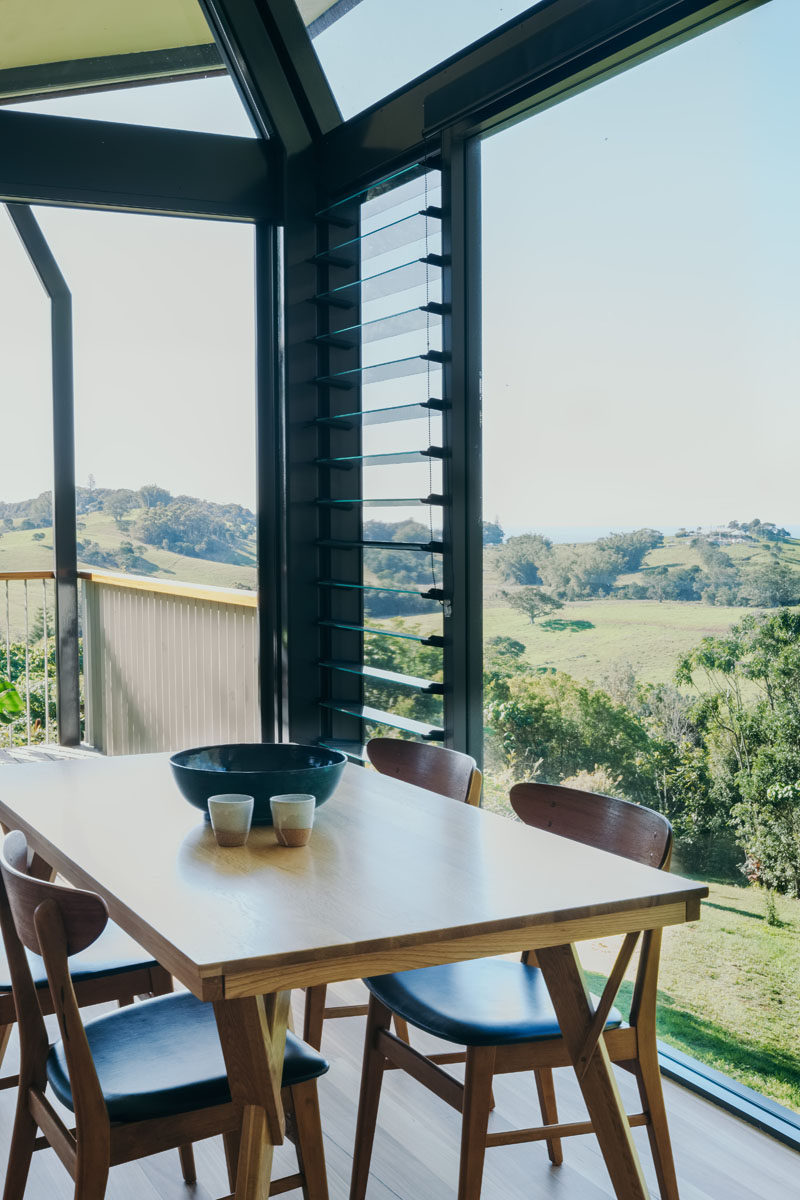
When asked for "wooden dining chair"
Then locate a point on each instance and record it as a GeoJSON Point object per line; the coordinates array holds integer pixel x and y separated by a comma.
{"type": "Point", "coordinates": [115, 968]}
{"type": "Point", "coordinates": [141, 1079]}
{"type": "Point", "coordinates": [501, 1010]}
{"type": "Point", "coordinates": [434, 768]}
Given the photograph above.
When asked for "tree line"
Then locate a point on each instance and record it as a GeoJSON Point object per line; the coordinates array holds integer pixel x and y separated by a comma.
{"type": "Point", "coordinates": [592, 570]}
{"type": "Point", "coordinates": [151, 516]}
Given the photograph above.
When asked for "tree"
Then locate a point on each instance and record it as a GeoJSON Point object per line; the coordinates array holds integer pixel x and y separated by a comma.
{"type": "Point", "coordinates": [748, 712]}
{"type": "Point", "coordinates": [492, 533]}
{"type": "Point", "coordinates": [119, 503]}
{"type": "Point", "coordinates": [151, 495]}
{"type": "Point", "coordinates": [554, 728]}
{"type": "Point", "coordinates": [522, 557]}
{"type": "Point", "coordinates": [532, 601]}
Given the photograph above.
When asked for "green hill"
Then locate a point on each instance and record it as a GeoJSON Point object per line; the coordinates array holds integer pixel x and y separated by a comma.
{"type": "Point", "coordinates": [224, 554]}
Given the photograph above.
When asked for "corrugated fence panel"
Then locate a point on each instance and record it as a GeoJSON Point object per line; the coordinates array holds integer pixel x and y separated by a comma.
{"type": "Point", "coordinates": [163, 671]}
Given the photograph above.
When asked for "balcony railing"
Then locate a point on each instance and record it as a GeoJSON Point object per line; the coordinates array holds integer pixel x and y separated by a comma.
{"type": "Point", "coordinates": [165, 665]}
{"type": "Point", "coordinates": [26, 656]}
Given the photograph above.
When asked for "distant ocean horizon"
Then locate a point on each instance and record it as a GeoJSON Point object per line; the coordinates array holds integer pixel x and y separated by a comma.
{"type": "Point", "coordinates": [590, 533]}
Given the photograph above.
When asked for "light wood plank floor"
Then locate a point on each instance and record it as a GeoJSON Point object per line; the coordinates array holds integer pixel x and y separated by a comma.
{"type": "Point", "coordinates": [416, 1153]}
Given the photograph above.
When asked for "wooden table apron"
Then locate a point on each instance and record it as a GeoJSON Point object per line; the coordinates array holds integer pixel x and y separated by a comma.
{"type": "Point", "coordinates": [394, 878]}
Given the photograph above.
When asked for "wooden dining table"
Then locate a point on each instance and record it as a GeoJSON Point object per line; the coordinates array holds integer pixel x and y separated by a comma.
{"type": "Point", "coordinates": [394, 878]}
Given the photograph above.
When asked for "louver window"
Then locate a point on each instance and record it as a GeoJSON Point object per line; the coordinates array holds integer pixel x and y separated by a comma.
{"type": "Point", "coordinates": [383, 470]}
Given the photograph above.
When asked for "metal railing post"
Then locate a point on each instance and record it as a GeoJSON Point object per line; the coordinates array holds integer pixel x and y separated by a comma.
{"type": "Point", "coordinates": [64, 520]}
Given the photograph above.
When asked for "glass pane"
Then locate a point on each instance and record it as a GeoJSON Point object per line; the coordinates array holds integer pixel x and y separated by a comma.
{"type": "Point", "coordinates": [373, 47]}
{"type": "Point", "coordinates": [640, 439]}
{"type": "Point", "coordinates": [164, 388]}
{"type": "Point", "coordinates": [197, 105]}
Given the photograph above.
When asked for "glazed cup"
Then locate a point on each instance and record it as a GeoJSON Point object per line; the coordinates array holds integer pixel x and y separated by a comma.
{"type": "Point", "coordinates": [293, 818]}
{"type": "Point", "coordinates": [231, 817]}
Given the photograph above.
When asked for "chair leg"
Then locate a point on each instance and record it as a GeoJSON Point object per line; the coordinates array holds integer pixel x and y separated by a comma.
{"type": "Point", "coordinates": [187, 1163]}
{"type": "Point", "coordinates": [378, 1017]}
{"type": "Point", "coordinates": [91, 1176]}
{"type": "Point", "coordinates": [475, 1120]}
{"type": "Point", "coordinates": [5, 1035]}
{"type": "Point", "coordinates": [648, 1076]}
{"type": "Point", "coordinates": [308, 1144]}
{"type": "Point", "coordinates": [231, 1142]}
{"type": "Point", "coordinates": [314, 1014]}
{"type": "Point", "coordinates": [401, 1029]}
{"type": "Point", "coordinates": [547, 1102]}
{"type": "Point", "coordinates": [21, 1150]}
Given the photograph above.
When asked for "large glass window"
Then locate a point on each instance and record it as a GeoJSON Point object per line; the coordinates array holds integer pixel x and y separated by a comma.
{"type": "Point", "coordinates": [165, 392]}
{"type": "Point", "coordinates": [369, 48]}
{"type": "Point", "coordinates": [642, 557]}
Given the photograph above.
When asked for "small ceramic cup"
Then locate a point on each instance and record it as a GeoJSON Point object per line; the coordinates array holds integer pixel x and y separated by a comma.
{"type": "Point", "coordinates": [231, 817]}
{"type": "Point", "coordinates": [292, 816]}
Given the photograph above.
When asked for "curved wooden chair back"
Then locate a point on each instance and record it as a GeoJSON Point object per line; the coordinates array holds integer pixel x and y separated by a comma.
{"type": "Point", "coordinates": [605, 822]}
{"type": "Point", "coordinates": [55, 922]}
{"type": "Point", "coordinates": [446, 772]}
{"type": "Point", "coordinates": [84, 914]}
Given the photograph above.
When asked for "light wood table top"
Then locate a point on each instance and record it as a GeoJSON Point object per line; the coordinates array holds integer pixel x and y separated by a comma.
{"type": "Point", "coordinates": [393, 878]}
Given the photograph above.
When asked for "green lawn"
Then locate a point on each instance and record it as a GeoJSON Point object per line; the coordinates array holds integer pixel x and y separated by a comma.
{"type": "Point", "coordinates": [648, 634]}
{"type": "Point", "coordinates": [728, 991]}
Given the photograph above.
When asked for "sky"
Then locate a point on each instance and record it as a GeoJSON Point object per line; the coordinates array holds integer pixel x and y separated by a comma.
{"type": "Point", "coordinates": [641, 303]}
{"type": "Point", "coordinates": [640, 266]}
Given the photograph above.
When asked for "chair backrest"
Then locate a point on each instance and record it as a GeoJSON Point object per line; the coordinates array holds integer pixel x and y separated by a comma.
{"type": "Point", "coordinates": [55, 922]}
{"type": "Point", "coordinates": [83, 913]}
{"type": "Point", "coordinates": [446, 772]}
{"type": "Point", "coordinates": [623, 828]}
{"type": "Point", "coordinates": [630, 830]}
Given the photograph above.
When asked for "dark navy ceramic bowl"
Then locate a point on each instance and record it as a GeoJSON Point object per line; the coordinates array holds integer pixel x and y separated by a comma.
{"type": "Point", "coordinates": [259, 770]}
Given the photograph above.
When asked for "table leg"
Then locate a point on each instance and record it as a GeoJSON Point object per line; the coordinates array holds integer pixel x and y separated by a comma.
{"type": "Point", "coordinates": [252, 1031]}
{"type": "Point", "coordinates": [563, 975]}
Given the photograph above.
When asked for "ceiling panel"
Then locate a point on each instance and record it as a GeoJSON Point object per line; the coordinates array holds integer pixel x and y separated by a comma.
{"type": "Point", "coordinates": [58, 46]}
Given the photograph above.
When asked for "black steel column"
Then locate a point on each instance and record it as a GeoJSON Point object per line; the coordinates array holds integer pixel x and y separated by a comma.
{"type": "Point", "coordinates": [64, 534]}
{"type": "Point", "coordinates": [303, 447]}
{"type": "Point", "coordinates": [270, 485]}
{"type": "Point", "coordinates": [463, 625]}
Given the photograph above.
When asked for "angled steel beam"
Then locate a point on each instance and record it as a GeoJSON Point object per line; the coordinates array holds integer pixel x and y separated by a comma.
{"type": "Point", "coordinates": [64, 519]}
{"type": "Point", "coordinates": [133, 168]}
{"type": "Point", "coordinates": [505, 74]}
{"type": "Point", "coordinates": [268, 52]}
{"type": "Point", "coordinates": [44, 81]}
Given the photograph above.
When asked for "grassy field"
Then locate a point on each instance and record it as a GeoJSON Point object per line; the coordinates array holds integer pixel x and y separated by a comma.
{"type": "Point", "coordinates": [19, 551]}
{"type": "Point", "coordinates": [728, 989]}
{"type": "Point", "coordinates": [587, 639]}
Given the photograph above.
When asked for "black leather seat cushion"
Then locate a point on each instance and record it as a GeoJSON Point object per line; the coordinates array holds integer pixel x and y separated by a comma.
{"type": "Point", "coordinates": [486, 1002]}
{"type": "Point", "coordinates": [163, 1056]}
{"type": "Point", "coordinates": [112, 953]}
